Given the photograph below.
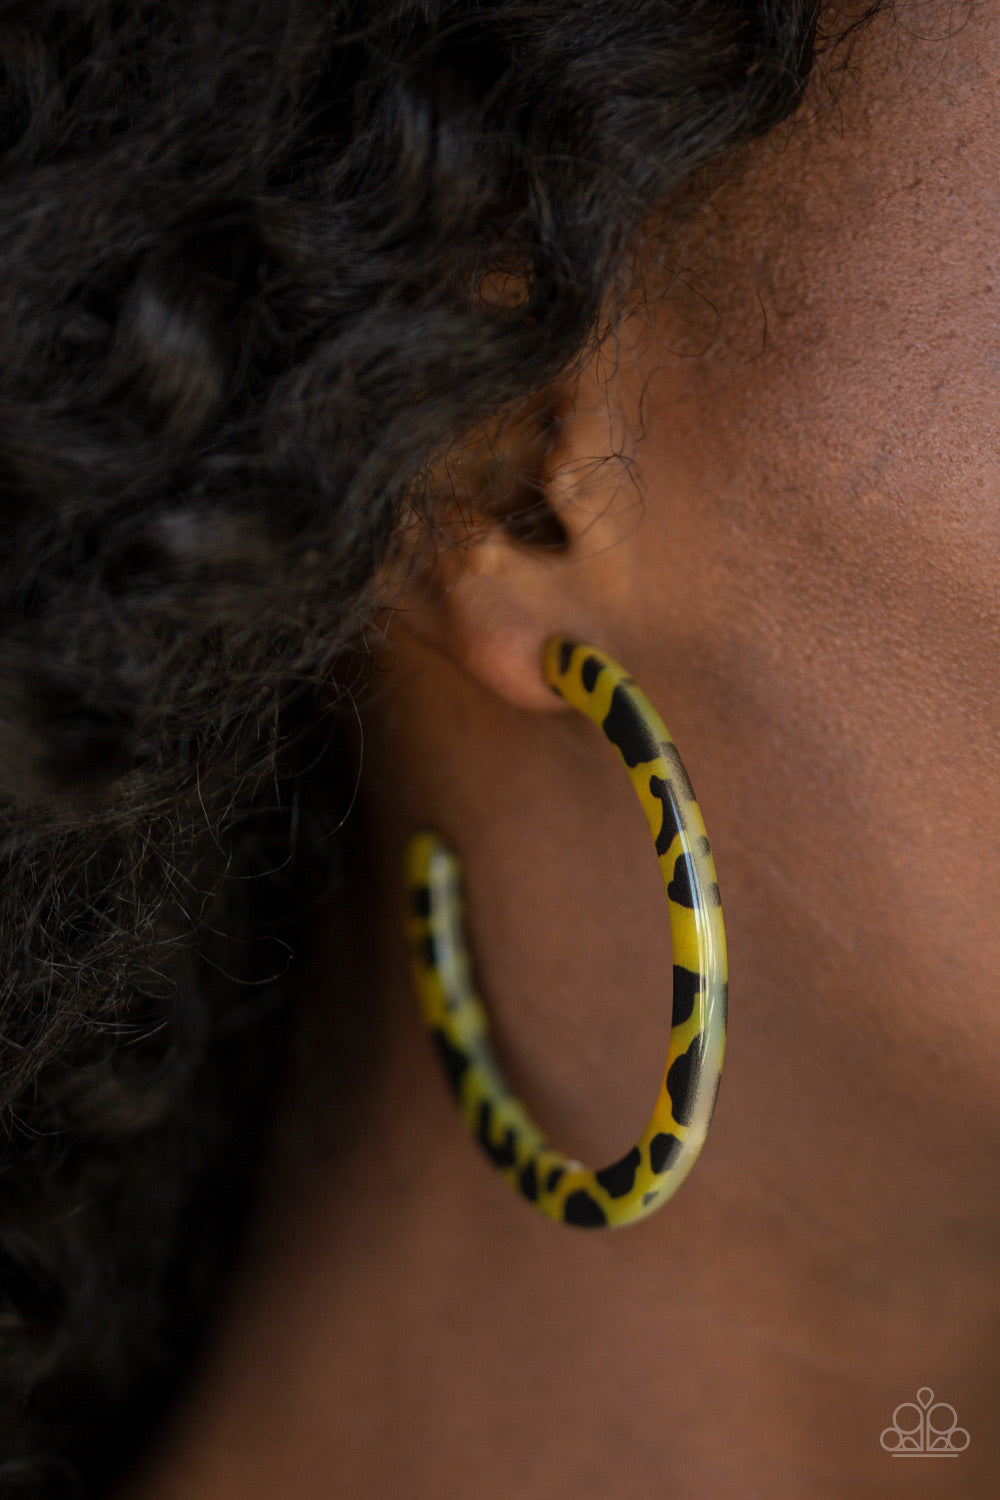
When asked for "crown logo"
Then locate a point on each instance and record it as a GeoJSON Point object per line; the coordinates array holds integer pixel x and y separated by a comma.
{"type": "Point", "coordinates": [924, 1428]}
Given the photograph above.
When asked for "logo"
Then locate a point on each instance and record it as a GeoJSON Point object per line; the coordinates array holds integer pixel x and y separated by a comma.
{"type": "Point", "coordinates": [924, 1428]}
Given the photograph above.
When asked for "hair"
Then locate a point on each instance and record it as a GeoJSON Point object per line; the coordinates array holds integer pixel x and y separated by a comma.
{"type": "Point", "coordinates": [245, 247]}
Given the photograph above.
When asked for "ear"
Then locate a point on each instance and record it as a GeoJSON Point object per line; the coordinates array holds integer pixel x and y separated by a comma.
{"type": "Point", "coordinates": [527, 550]}
{"type": "Point", "coordinates": [492, 604]}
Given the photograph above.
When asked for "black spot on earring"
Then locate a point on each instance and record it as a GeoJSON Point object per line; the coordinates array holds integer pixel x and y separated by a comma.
{"type": "Point", "coordinates": [677, 773]}
{"type": "Point", "coordinates": [454, 1061]}
{"type": "Point", "coordinates": [528, 1182]}
{"type": "Point", "coordinates": [619, 1179]}
{"type": "Point", "coordinates": [554, 1178]}
{"type": "Point", "coordinates": [687, 988]}
{"type": "Point", "coordinates": [627, 731]}
{"type": "Point", "coordinates": [428, 951]}
{"type": "Point", "coordinates": [566, 649]}
{"type": "Point", "coordinates": [683, 888]}
{"type": "Point", "coordinates": [663, 1150]}
{"type": "Point", "coordinates": [589, 673]}
{"type": "Point", "coordinates": [671, 820]}
{"type": "Point", "coordinates": [680, 1082]}
{"type": "Point", "coordinates": [502, 1154]}
{"type": "Point", "coordinates": [583, 1211]}
{"type": "Point", "coordinates": [420, 902]}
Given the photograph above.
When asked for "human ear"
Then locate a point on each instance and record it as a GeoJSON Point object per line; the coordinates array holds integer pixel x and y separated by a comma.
{"type": "Point", "coordinates": [505, 571]}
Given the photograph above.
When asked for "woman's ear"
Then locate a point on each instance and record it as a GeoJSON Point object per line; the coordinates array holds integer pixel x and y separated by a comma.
{"type": "Point", "coordinates": [493, 587]}
{"type": "Point", "coordinates": [533, 518]}
{"type": "Point", "coordinates": [490, 605]}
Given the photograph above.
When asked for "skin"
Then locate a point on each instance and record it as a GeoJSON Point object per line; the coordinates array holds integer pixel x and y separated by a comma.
{"type": "Point", "coordinates": [800, 563]}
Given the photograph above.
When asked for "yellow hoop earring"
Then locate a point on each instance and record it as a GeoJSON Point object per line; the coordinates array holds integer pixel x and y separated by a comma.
{"type": "Point", "coordinates": [655, 1167]}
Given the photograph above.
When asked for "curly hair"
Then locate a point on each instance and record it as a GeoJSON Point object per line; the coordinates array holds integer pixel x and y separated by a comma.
{"type": "Point", "coordinates": [243, 246]}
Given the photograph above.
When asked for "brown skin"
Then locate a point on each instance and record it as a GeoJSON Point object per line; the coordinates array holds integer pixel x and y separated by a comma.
{"type": "Point", "coordinates": [805, 578]}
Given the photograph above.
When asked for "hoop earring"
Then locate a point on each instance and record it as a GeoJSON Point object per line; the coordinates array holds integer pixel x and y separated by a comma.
{"type": "Point", "coordinates": [655, 1167]}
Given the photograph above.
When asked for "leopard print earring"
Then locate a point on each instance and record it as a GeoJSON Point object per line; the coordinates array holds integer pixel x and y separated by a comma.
{"type": "Point", "coordinates": [655, 1167]}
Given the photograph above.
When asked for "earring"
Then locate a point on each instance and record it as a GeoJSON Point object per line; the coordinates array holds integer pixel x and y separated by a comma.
{"type": "Point", "coordinates": [655, 1167]}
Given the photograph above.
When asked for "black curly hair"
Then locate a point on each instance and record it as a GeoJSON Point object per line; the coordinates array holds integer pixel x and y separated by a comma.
{"type": "Point", "coordinates": [243, 253]}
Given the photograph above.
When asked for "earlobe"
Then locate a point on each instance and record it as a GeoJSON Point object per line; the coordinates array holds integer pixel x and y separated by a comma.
{"type": "Point", "coordinates": [489, 608]}
{"type": "Point", "coordinates": [506, 658]}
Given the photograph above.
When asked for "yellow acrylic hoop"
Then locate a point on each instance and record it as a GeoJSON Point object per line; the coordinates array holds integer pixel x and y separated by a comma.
{"type": "Point", "coordinates": [651, 1172]}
